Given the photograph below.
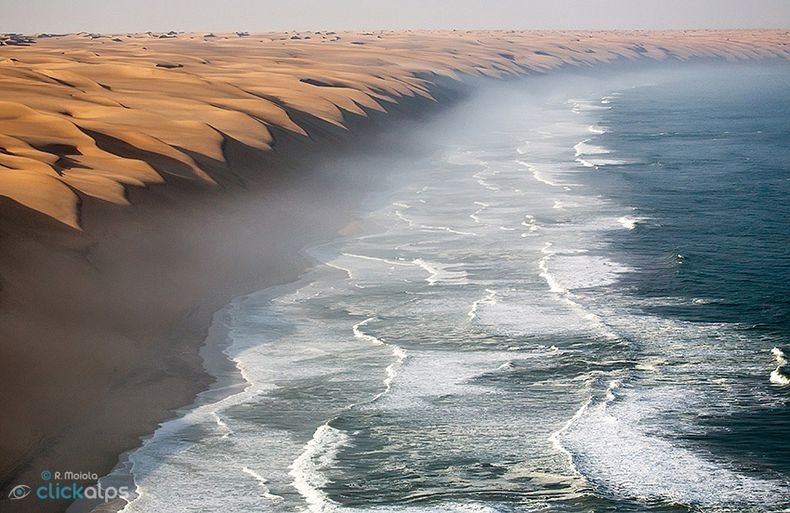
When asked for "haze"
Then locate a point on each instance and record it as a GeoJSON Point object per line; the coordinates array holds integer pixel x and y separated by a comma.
{"type": "Point", "coordinates": [57, 16]}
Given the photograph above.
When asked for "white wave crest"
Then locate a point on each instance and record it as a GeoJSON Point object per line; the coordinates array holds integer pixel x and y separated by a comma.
{"type": "Point", "coordinates": [489, 298]}
{"type": "Point", "coordinates": [607, 447]}
{"type": "Point", "coordinates": [631, 222]}
{"type": "Point", "coordinates": [779, 376]}
{"type": "Point", "coordinates": [265, 492]}
{"type": "Point", "coordinates": [308, 470]}
{"type": "Point", "coordinates": [538, 175]}
{"type": "Point", "coordinates": [585, 148]}
{"type": "Point", "coordinates": [440, 273]}
{"type": "Point", "coordinates": [391, 371]}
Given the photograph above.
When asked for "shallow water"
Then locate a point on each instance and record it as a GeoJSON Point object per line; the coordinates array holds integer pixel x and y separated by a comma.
{"type": "Point", "coordinates": [571, 307]}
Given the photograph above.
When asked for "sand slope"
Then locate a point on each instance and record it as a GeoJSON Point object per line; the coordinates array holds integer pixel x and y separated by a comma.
{"type": "Point", "coordinates": [166, 98]}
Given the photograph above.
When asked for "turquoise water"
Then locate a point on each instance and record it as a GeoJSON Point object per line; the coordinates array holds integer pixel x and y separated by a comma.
{"type": "Point", "coordinates": [578, 305]}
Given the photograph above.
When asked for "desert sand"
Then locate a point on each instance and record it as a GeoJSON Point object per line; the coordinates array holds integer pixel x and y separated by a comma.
{"type": "Point", "coordinates": [146, 179]}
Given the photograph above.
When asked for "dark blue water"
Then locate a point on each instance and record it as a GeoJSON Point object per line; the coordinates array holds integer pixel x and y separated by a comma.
{"type": "Point", "coordinates": [711, 170]}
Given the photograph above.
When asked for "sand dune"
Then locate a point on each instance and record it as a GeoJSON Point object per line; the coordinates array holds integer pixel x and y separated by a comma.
{"type": "Point", "coordinates": [181, 95]}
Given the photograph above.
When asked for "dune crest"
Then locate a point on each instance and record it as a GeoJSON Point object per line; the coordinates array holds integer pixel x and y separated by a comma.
{"type": "Point", "coordinates": [180, 96]}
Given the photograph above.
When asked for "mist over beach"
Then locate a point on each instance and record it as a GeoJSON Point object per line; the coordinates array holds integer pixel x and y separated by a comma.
{"type": "Point", "coordinates": [414, 258]}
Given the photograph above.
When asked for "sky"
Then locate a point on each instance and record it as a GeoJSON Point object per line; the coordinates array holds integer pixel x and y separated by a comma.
{"type": "Point", "coordinates": [110, 16]}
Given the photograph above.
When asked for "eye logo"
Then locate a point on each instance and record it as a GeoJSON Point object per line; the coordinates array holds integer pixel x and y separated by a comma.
{"type": "Point", "coordinates": [19, 492]}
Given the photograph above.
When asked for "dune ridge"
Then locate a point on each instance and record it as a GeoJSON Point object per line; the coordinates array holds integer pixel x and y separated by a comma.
{"type": "Point", "coordinates": [173, 96]}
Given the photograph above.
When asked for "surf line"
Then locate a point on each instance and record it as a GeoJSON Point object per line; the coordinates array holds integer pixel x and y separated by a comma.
{"type": "Point", "coordinates": [489, 298]}
{"type": "Point", "coordinates": [398, 352]}
{"type": "Point", "coordinates": [321, 451]}
{"type": "Point", "coordinates": [567, 296]}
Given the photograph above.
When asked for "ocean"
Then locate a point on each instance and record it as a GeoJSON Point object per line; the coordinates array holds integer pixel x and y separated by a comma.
{"type": "Point", "coordinates": [575, 299]}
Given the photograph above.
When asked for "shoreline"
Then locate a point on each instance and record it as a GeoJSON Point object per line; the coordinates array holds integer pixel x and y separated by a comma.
{"type": "Point", "coordinates": [163, 335]}
{"type": "Point", "coordinates": [227, 379]}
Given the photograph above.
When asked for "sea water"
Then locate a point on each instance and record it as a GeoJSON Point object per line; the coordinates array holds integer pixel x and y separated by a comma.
{"type": "Point", "coordinates": [577, 301]}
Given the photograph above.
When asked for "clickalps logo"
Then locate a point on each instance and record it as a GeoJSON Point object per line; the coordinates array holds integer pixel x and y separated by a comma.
{"type": "Point", "coordinates": [66, 486]}
{"type": "Point", "coordinates": [19, 492]}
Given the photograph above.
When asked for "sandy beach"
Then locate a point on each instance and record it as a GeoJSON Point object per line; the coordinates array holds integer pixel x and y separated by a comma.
{"type": "Point", "coordinates": [148, 179]}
